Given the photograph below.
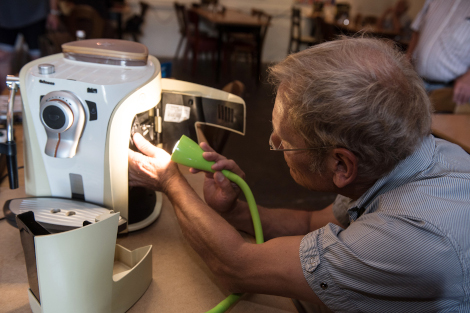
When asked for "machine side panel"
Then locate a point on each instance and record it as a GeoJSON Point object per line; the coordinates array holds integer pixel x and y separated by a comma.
{"type": "Point", "coordinates": [231, 100]}
{"type": "Point", "coordinates": [118, 132]}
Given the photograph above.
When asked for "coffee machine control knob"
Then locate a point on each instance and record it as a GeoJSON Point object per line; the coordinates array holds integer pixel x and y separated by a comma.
{"type": "Point", "coordinates": [46, 69]}
{"type": "Point", "coordinates": [57, 116]}
{"type": "Point", "coordinates": [63, 117]}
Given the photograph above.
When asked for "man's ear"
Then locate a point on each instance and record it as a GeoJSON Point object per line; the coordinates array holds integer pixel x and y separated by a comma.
{"type": "Point", "coordinates": [344, 167]}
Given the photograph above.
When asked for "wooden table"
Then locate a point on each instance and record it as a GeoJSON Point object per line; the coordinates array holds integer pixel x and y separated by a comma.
{"type": "Point", "coordinates": [230, 20]}
{"type": "Point", "coordinates": [181, 280]}
{"type": "Point", "coordinates": [453, 127]}
{"type": "Point", "coordinates": [330, 29]}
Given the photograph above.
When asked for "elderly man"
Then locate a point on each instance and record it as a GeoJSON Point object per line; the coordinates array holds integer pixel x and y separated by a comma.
{"type": "Point", "coordinates": [352, 117]}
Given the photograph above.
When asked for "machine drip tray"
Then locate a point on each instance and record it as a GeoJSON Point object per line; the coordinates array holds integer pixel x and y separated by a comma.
{"type": "Point", "coordinates": [57, 214]}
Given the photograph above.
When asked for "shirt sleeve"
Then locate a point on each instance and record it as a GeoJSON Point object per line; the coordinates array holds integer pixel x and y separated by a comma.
{"type": "Point", "coordinates": [381, 261]}
{"type": "Point", "coordinates": [416, 25]}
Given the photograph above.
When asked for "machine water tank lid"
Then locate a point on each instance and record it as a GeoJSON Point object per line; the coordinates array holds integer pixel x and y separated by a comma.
{"type": "Point", "coordinates": [107, 51]}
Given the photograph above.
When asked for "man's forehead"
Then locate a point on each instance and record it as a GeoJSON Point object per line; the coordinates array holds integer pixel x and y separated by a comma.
{"type": "Point", "coordinates": [280, 102]}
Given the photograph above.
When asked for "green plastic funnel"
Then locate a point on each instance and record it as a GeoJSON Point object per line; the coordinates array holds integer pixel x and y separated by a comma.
{"type": "Point", "coordinates": [188, 152]}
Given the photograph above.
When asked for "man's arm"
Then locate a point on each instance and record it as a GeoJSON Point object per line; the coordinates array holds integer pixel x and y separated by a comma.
{"type": "Point", "coordinates": [272, 267]}
{"type": "Point", "coordinates": [281, 222]}
{"type": "Point", "coordinates": [462, 89]}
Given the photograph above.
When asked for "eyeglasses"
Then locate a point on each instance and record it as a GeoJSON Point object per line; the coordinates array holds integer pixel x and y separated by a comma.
{"type": "Point", "coordinates": [276, 145]}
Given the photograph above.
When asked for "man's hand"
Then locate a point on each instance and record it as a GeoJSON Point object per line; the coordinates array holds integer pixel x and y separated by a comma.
{"type": "Point", "coordinates": [462, 89]}
{"type": "Point", "coordinates": [152, 169]}
{"type": "Point", "coordinates": [219, 193]}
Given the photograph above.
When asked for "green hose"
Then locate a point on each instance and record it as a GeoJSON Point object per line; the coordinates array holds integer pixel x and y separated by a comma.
{"type": "Point", "coordinates": [225, 304]}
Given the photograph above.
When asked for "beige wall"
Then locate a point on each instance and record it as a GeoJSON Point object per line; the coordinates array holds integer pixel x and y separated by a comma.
{"type": "Point", "coordinates": [161, 29]}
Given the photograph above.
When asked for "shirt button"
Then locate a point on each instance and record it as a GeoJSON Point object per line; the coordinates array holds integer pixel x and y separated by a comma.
{"type": "Point", "coordinates": [324, 286]}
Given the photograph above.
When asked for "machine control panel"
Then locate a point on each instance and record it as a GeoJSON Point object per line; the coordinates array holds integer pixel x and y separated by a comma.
{"type": "Point", "coordinates": [57, 116]}
{"type": "Point", "coordinates": [63, 117]}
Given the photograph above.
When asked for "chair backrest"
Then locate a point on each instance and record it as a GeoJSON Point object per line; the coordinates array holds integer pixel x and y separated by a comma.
{"type": "Point", "coordinates": [144, 6]}
{"type": "Point", "coordinates": [369, 20]}
{"type": "Point", "coordinates": [264, 17]}
{"type": "Point", "coordinates": [295, 23]}
{"type": "Point", "coordinates": [180, 10]}
{"type": "Point", "coordinates": [192, 29]}
{"type": "Point", "coordinates": [86, 18]}
{"type": "Point", "coordinates": [342, 9]}
{"type": "Point", "coordinates": [134, 23]}
{"type": "Point", "coordinates": [209, 2]}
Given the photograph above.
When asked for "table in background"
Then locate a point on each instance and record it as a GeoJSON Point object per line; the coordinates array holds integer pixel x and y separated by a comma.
{"type": "Point", "coordinates": [453, 127]}
{"type": "Point", "coordinates": [329, 30]}
{"type": "Point", "coordinates": [181, 281]}
{"type": "Point", "coordinates": [232, 21]}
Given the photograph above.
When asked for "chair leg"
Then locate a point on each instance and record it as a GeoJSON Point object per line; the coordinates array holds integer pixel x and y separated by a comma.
{"type": "Point", "coordinates": [194, 66]}
{"type": "Point", "coordinates": [227, 62]}
{"type": "Point", "coordinates": [178, 48]}
{"type": "Point", "coordinates": [134, 37]}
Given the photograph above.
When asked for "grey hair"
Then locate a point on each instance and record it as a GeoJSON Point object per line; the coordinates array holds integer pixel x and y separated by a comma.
{"type": "Point", "coordinates": [361, 94]}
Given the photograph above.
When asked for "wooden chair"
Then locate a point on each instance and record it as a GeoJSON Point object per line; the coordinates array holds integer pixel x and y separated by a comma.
{"type": "Point", "coordinates": [296, 33]}
{"type": "Point", "coordinates": [361, 21]}
{"type": "Point", "coordinates": [246, 43]}
{"type": "Point", "coordinates": [134, 24]}
{"type": "Point", "coordinates": [182, 24]}
{"type": "Point", "coordinates": [86, 18]}
{"type": "Point", "coordinates": [197, 42]}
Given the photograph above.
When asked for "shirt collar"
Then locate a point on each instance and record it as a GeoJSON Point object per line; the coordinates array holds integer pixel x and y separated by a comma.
{"type": "Point", "coordinates": [404, 172]}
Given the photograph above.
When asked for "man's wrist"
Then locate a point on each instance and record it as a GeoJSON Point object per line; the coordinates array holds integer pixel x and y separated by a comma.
{"type": "Point", "coordinates": [173, 182]}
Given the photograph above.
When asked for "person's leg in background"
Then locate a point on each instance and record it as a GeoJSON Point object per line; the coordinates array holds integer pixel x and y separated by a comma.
{"type": "Point", "coordinates": [31, 34]}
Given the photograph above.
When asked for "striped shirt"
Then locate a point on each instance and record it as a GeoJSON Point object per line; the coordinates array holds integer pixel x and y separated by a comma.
{"type": "Point", "coordinates": [443, 51]}
{"type": "Point", "coordinates": [407, 248]}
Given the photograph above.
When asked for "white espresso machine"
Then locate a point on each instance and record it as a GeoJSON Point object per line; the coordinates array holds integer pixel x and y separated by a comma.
{"type": "Point", "coordinates": [80, 109]}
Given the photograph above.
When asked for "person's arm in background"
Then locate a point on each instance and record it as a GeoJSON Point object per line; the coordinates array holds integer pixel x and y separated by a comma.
{"type": "Point", "coordinates": [411, 47]}
{"type": "Point", "coordinates": [53, 17]}
{"type": "Point", "coordinates": [462, 89]}
{"type": "Point", "coordinates": [415, 27]}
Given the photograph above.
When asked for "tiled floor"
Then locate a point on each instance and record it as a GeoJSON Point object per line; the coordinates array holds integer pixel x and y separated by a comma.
{"type": "Point", "coordinates": [266, 172]}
